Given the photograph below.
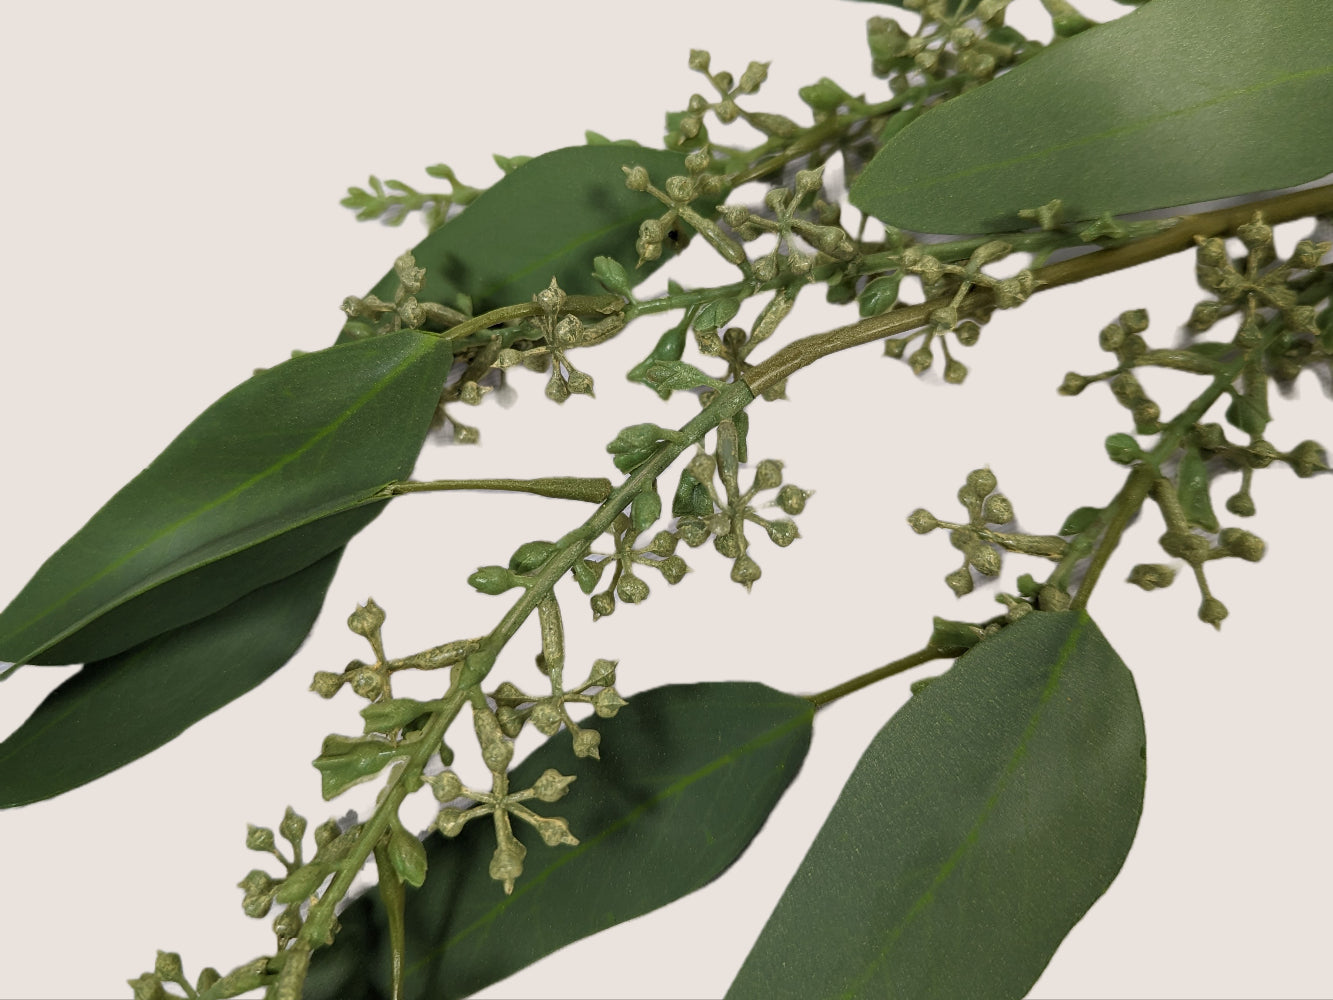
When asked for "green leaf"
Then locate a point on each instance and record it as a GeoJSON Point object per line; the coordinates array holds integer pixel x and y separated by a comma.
{"type": "Point", "coordinates": [687, 777]}
{"type": "Point", "coordinates": [1174, 103]}
{"type": "Point", "coordinates": [276, 474]}
{"type": "Point", "coordinates": [116, 710]}
{"type": "Point", "coordinates": [880, 295]}
{"type": "Point", "coordinates": [1080, 520]}
{"type": "Point", "coordinates": [549, 216]}
{"type": "Point", "coordinates": [981, 823]}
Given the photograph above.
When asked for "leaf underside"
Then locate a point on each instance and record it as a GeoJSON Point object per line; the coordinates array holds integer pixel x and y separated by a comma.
{"type": "Point", "coordinates": [117, 710]}
{"type": "Point", "coordinates": [981, 823]}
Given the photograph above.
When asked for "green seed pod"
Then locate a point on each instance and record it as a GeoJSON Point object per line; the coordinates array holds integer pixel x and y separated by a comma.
{"type": "Point", "coordinates": [367, 683]}
{"type": "Point", "coordinates": [493, 580]}
{"type": "Point", "coordinates": [895, 346]}
{"type": "Point", "coordinates": [1073, 384]}
{"type": "Point", "coordinates": [997, 509]}
{"type": "Point", "coordinates": [663, 543]}
{"type": "Point", "coordinates": [446, 786]}
{"type": "Point", "coordinates": [450, 822]}
{"type": "Point", "coordinates": [1204, 315]}
{"type": "Point", "coordinates": [586, 742]}
{"type": "Point", "coordinates": [745, 571]}
{"type": "Point", "coordinates": [645, 509]}
{"type": "Point", "coordinates": [792, 499]}
{"type": "Point", "coordinates": [673, 569]}
{"type": "Point", "coordinates": [1184, 545]}
{"type": "Point", "coordinates": [1212, 611]}
{"type": "Point", "coordinates": [287, 924]}
{"type": "Point", "coordinates": [259, 838]}
{"type": "Point", "coordinates": [984, 559]}
{"type": "Point", "coordinates": [547, 717]}
{"type": "Point", "coordinates": [326, 684]}
{"type": "Point", "coordinates": [326, 833]}
{"type": "Point", "coordinates": [960, 581]}
{"type": "Point", "coordinates": [922, 521]}
{"type": "Point", "coordinates": [968, 332]}
{"type": "Point", "coordinates": [579, 382]}
{"type": "Point", "coordinates": [408, 857]}
{"type": "Point", "coordinates": [920, 359]}
{"type": "Point", "coordinates": [168, 966]}
{"type": "Point", "coordinates": [552, 785]}
{"type": "Point", "coordinates": [768, 474]}
{"type": "Point", "coordinates": [955, 372]}
{"type": "Point", "coordinates": [531, 556]}
{"type": "Point", "coordinates": [148, 987]}
{"type": "Point", "coordinates": [782, 533]}
{"type": "Point", "coordinates": [292, 827]}
{"type": "Point", "coordinates": [694, 531]}
{"type": "Point", "coordinates": [612, 275]}
{"type": "Point", "coordinates": [511, 720]}
{"type": "Point", "coordinates": [1241, 504]}
{"type": "Point", "coordinates": [1152, 576]}
{"type": "Point", "coordinates": [981, 482]}
{"type": "Point", "coordinates": [366, 619]}
{"type": "Point", "coordinates": [1123, 449]}
{"type": "Point", "coordinates": [679, 188]}
{"type": "Point", "coordinates": [1112, 337]}
{"type": "Point", "coordinates": [606, 703]}
{"type": "Point", "coordinates": [1242, 544]}
{"type": "Point", "coordinates": [1053, 599]}
{"type": "Point", "coordinates": [631, 589]}
{"type": "Point", "coordinates": [554, 831]}
{"type": "Point", "coordinates": [728, 546]}
{"type": "Point", "coordinates": [1307, 458]}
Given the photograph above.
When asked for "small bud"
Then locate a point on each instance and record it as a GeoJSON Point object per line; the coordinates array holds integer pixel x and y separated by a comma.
{"type": "Point", "coordinates": [1241, 504]}
{"type": "Point", "coordinates": [745, 571]}
{"type": "Point", "coordinates": [367, 619]}
{"type": "Point", "coordinates": [554, 831]}
{"type": "Point", "coordinates": [602, 603]}
{"type": "Point", "coordinates": [168, 966]}
{"type": "Point", "coordinates": [1204, 315]}
{"type": "Point", "coordinates": [546, 717]}
{"type": "Point", "coordinates": [326, 684]}
{"type": "Point", "coordinates": [607, 702]}
{"type": "Point", "coordinates": [1184, 545]}
{"type": "Point", "coordinates": [1212, 251]}
{"type": "Point", "coordinates": [955, 372]}
{"type": "Point", "coordinates": [367, 683]}
{"type": "Point", "coordinates": [984, 559]}
{"type": "Point", "coordinates": [1073, 384]}
{"type": "Point", "coordinates": [511, 721]}
{"type": "Point", "coordinates": [920, 359]}
{"type": "Point", "coordinates": [287, 924]}
{"type": "Point", "coordinates": [960, 581]}
{"type": "Point", "coordinates": [1112, 337]}
{"type": "Point", "coordinates": [679, 188]}
{"type": "Point", "coordinates": [728, 545]}
{"type": "Point", "coordinates": [579, 382]}
{"type": "Point", "coordinates": [1123, 449]}
{"type": "Point", "coordinates": [1307, 458]}
{"type": "Point", "coordinates": [673, 569]}
{"type": "Point", "coordinates": [507, 863]}
{"type": "Point", "coordinates": [493, 580]}
{"type": "Point", "coordinates": [968, 332]}
{"type": "Point", "coordinates": [148, 987]}
{"type": "Point", "coordinates": [586, 742]}
{"type": "Point", "coordinates": [631, 589]}
{"type": "Point", "coordinates": [693, 531]}
{"type": "Point", "coordinates": [699, 60]}
{"type": "Point", "coordinates": [446, 786]}
{"type": "Point", "coordinates": [1212, 611]}
{"type": "Point", "coordinates": [895, 346]}
{"type": "Point", "coordinates": [981, 482]}
{"type": "Point", "coordinates": [922, 521]}
{"type": "Point", "coordinates": [1242, 544]}
{"type": "Point", "coordinates": [782, 533]}
{"type": "Point", "coordinates": [1152, 576]}
{"type": "Point", "coordinates": [450, 822]}
{"type": "Point", "coordinates": [998, 510]}
{"type": "Point", "coordinates": [552, 785]}
{"type": "Point", "coordinates": [768, 474]}
{"type": "Point", "coordinates": [292, 826]}
{"type": "Point", "coordinates": [259, 838]}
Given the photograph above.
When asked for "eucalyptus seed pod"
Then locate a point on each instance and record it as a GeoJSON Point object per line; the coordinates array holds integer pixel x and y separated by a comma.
{"type": "Point", "coordinates": [493, 580]}
{"type": "Point", "coordinates": [1152, 576]}
{"type": "Point", "coordinates": [1242, 544]}
{"type": "Point", "coordinates": [663, 543]}
{"type": "Point", "coordinates": [997, 509]}
{"type": "Point", "coordinates": [792, 499]}
{"type": "Point", "coordinates": [326, 684]}
{"type": "Point", "coordinates": [292, 827]}
{"type": "Point", "coordinates": [782, 533]}
{"type": "Point", "coordinates": [586, 743]}
{"type": "Point", "coordinates": [259, 838]}
{"type": "Point", "coordinates": [768, 474]}
{"type": "Point", "coordinates": [631, 589]}
{"type": "Point", "coordinates": [607, 702]}
{"type": "Point", "coordinates": [728, 546]}
{"type": "Point", "coordinates": [960, 581]}
{"type": "Point", "coordinates": [446, 786]}
{"type": "Point", "coordinates": [1212, 611]}
{"type": "Point", "coordinates": [547, 717]}
{"type": "Point", "coordinates": [745, 571]}
{"type": "Point", "coordinates": [552, 785]}
{"type": "Point", "coordinates": [367, 619]}
{"type": "Point", "coordinates": [673, 569]}
{"type": "Point", "coordinates": [694, 531]}
{"type": "Point", "coordinates": [922, 521]}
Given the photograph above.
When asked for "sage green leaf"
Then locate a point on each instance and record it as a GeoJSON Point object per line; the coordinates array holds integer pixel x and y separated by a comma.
{"type": "Point", "coordinates": [978, 827]}
{"type": "Point", "coordinates": [1174, 103]}
{"type": "Point", "coordinates": [119, 709]}
{"type": "Point", "coordinates": [549, 216]}
{"type": "Point", "coordinates": [276, 474]}
{"type": "Point", "coordinates": [687, 776]}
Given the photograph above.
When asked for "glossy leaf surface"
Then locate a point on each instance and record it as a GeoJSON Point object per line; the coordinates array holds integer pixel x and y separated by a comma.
{"type": "Point", "coordinates": [114, 711]}
{"type": "Point", "coordinates": [549, 217]}
{"type": "Point", "coordinates": [275, 475]}
{"type": "Point", "coordinates": [981, 823]}
{"type": "Point", "coordinates": [687, 777]}
{"type": "Point", "coordinates": [1174, 103]}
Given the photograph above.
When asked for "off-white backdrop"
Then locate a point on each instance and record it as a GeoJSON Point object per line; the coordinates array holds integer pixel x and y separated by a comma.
{"type": "Point", "coordinates": [170, 187]}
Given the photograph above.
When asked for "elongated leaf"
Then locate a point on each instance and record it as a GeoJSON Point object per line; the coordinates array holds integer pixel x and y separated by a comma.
{"type": "Point", "coordinates": [687, 777]}
{"type": "Point", "coordinates": [115, 711]}
{"type": "Point", "coordinates": [273, 476]}
{"type": "Point", "coordinates": [549, 217]}
{"type": "Point", "coordinates": [1177, 102]}
{"type": "Point", "coordinates": [982, 822]}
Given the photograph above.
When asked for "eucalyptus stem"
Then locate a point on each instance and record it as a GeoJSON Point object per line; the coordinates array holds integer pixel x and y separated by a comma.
{"type": "Point", "coordinates": [923, 655]}
{"type": "Point", "coordinates": [590, 489]}
{"type": "Point", "coordinates": [807, 350]}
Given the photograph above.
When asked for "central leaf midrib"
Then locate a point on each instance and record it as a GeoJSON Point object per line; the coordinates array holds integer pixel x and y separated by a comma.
{"type": "Point", "coordinates": [237, 490]}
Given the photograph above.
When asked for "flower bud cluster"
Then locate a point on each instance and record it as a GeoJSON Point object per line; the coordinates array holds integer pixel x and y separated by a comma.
{"type": "Point", "coordinates": [972, 44]}
{"type": "Point", "coordinates": [977, 539]}
{"type": "Point", "coordinates": [705, 511]}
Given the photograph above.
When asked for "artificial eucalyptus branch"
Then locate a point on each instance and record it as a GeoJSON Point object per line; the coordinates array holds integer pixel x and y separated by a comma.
{"type": "Point", "coordinates": [989, 812]}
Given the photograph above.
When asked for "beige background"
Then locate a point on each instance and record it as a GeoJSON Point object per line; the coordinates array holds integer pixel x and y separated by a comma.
{"type": "Point", "coordinates": [171, 180]}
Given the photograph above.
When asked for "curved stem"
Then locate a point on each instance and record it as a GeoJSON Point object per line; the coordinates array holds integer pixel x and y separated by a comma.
{"type": "Point", "coordinates": [921, 656]}
{"type": "Point", "coordinates": [590, 489]}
